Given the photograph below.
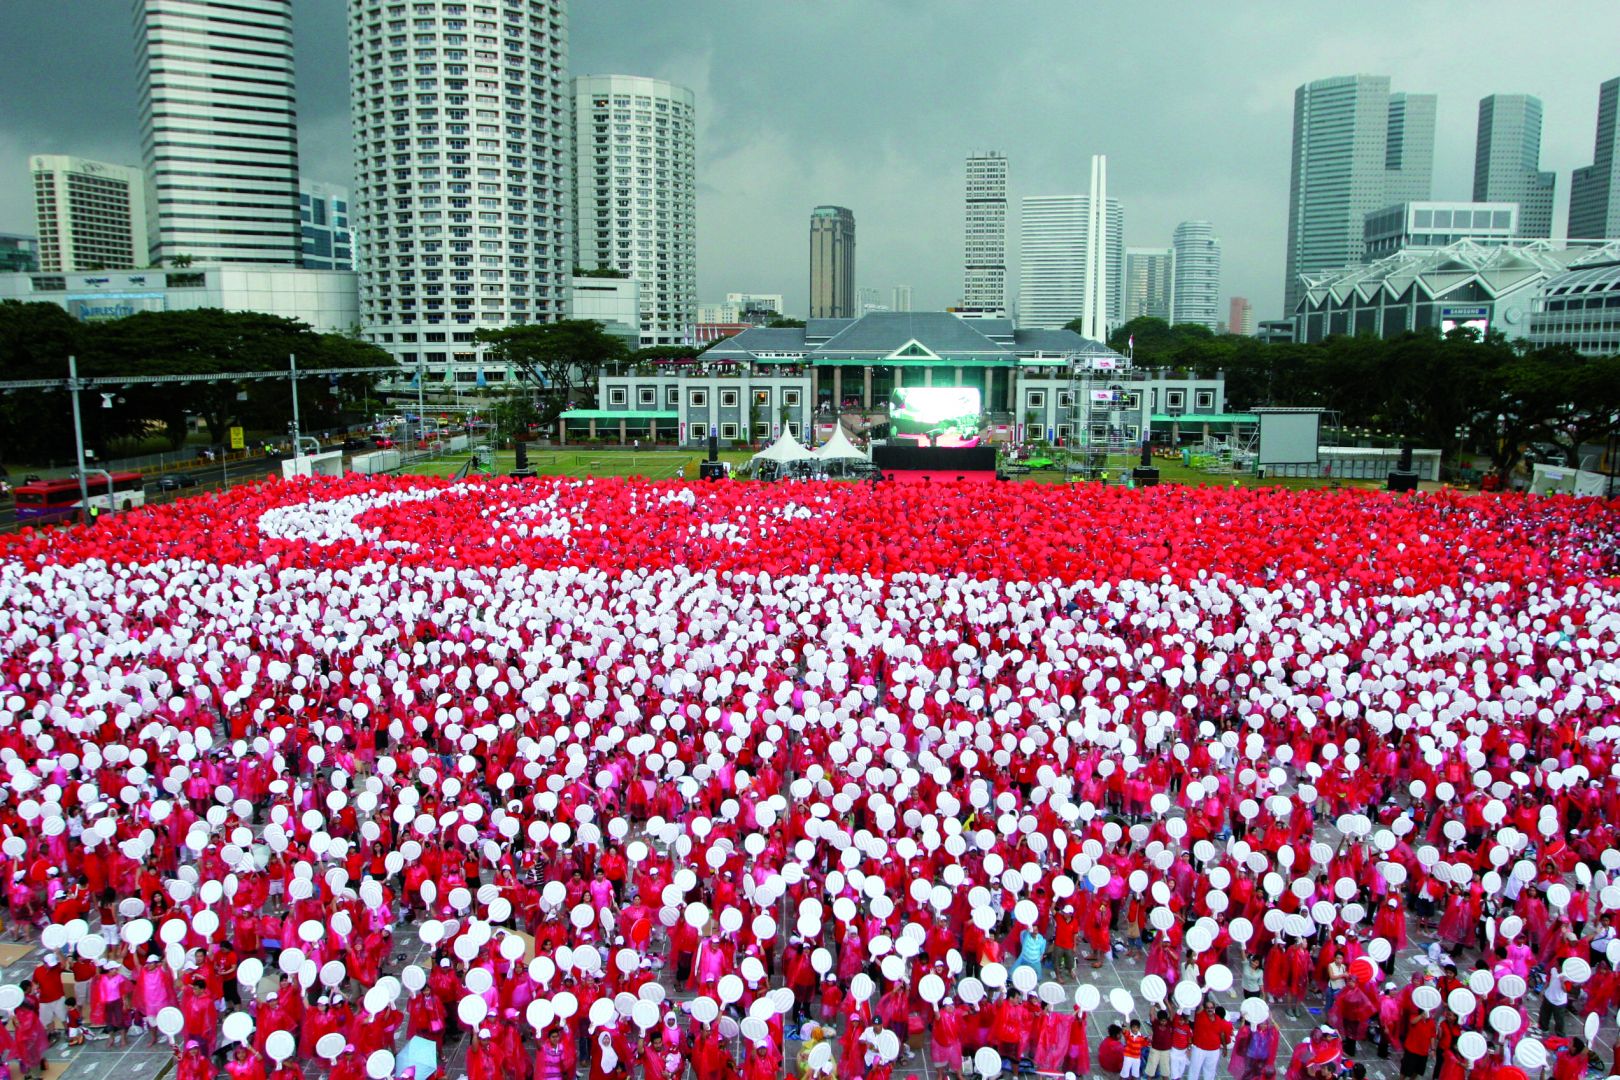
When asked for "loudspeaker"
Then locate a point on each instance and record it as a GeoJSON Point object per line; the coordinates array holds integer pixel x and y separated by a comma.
{"type": "Point", "coordinates": [1402, 481]}
{"type": "Point", "coordinates": [1405, 465]}
{"type": "Point", "coordinates": [711, 470]}
{"type": "Point", "coordinates": [714, 447]}
{"type": "Point", "coordinates": [522, 464]}
{"type": "Point", "coordinates": [1147, 454]}
{"type": "Point", "coordinates": [1145, 476]}
{"type": "Point", "coordinates": [523, 474]}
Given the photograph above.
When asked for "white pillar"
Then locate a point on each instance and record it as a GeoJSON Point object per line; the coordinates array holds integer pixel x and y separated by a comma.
{"type": "Point", "coordinates": [1094, 314]}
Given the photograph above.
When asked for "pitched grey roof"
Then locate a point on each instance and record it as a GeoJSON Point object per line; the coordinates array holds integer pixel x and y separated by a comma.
{"type": "Point", "coordinates": [881, 333]}
{"type": "Point", "coordinates": [1058, 341]}
{"type": "Point", "coordinates": [997, 329]}
{"type": "Point", "coordinates": [756, 340]}
{"type": "Point", "coordinates": [822, 329]}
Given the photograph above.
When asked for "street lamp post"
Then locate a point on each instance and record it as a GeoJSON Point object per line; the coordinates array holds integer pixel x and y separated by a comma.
{"type": "Point", "coordinates": [292, 367]}
{"type": "Point", "coordinates": [74, 386]}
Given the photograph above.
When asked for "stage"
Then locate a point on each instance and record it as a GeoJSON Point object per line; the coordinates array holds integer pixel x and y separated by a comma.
{"type": "Point", "coordinates": [934, 476]}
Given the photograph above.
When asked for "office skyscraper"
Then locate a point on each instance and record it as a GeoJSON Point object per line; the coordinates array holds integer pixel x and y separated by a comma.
{"type": "Point", "coordinates": [1594, 191]}
{"type": "Point", "coordinates": [1409, 148]}
{"type": "Point", "coordinates": [832, 263]}
{"type": "Point", "coordinates": [1240, 317]}
{"type": "Point", "coordinates": [324, 212]}
{"type": "Point", "coordinates": [91, 215]}
{"type": "Point", "coordinates": [901, 298]}
{"type": "Point", "coordinates": [1149, 283]}
{"type": "Point", "coordinates": [1357, 148]}
{"type": "Point", "coordinates": [984, 256]}
{"type": "Point", "coordinates": [1055, 240]}
{"type": "Point", "coordinates": [462, 193]}
{"type": "Point", "coordinates": [1198, 273]}
{"type": "Point", "coordinates": [1507, 160]}
{"type": "Point", "coordinates": [219, 129]}
{"type": "Point", "coordinates": [635, 143]}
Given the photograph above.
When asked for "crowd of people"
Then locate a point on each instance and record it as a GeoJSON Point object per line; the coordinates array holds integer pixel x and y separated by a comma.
{"type": "Point", "coordinates": [615, 779]}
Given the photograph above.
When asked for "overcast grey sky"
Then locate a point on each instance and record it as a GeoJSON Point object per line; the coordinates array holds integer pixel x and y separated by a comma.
{"type": "Point", "coordinates": [872, 104]}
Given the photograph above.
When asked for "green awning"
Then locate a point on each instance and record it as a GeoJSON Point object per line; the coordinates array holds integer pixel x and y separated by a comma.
{"type": "Point", "coordinates": [620, 414]}
{"type": "Point", "coordinates": [885, 362]}
{"type": "Point", "coordinates": [1207, 418]}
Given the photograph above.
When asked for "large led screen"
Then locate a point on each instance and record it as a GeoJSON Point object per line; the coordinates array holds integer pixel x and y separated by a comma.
{"type": "Point", "coordinates": [936, 415]}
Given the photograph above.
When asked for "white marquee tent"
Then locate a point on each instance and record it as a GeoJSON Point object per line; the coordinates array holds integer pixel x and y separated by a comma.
{"type": "Point", "coordinates": [785, 449]}
{"type": "Point", "coordinates": [839, 448]}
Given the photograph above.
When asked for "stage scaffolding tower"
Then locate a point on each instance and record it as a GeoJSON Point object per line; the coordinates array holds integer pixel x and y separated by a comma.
{"type": "Point", "coordinates": [1105, 416]}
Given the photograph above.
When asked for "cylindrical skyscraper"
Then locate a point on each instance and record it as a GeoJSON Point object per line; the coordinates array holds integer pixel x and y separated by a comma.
{"type": "Point", "coordinates": [636, 142]}
{"type": "Point", "coordinates": [1197, 296]}
{"type": "Point", "coordinates": [832, 263]}
{"type": "Point", "coordinates": [462, 151]}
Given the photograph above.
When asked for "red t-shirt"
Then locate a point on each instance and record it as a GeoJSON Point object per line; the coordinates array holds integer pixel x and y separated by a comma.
{"type": "Point", "coordinates": [48, 980]}
{"type": "Point", "coordinates": [1111, 1055]}
{"type": "Point", "coordinates": [1210, 1032]}
{"type": "Point", "coordinates": [1420, 1036]}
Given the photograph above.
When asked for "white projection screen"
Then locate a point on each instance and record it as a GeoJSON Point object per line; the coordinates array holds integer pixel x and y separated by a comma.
{"type": "Point", "coordinates": [1289, 436]}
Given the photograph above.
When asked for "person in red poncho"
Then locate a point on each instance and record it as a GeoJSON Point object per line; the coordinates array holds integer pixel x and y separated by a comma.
{"type": "Point", "coordinates": [1053, 1030]}
{"type": "Point", "coordinates": [1352, 1013]}
{"type": "Point", "coordinates": [710, 1058]}
{"type": "Point", "coordinates": [945, 1039]}
{"type": "Point", "coordinates": [246, 1063]}
{"type": "Point", "coordinates": [192, 1063]}
{"type": "Point", "coordinates": [484, 1058]}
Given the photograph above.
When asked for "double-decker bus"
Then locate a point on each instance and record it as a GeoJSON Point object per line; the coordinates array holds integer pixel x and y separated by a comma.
{"type": "Point", "coordinates": [45, 502]}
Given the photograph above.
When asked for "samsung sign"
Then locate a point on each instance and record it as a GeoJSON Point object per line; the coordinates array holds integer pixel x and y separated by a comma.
{"type": "Point", "coordinates": [1477, 319]}
{"type": "Point", "coordinates": [110, 306]}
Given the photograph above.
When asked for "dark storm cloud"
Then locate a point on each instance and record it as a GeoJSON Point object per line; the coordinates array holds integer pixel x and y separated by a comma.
{"type": "Point", "coordinates": [872, 105]}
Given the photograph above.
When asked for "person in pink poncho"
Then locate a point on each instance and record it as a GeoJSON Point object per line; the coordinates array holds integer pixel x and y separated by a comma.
{"type": "Point", "coordinates": [1254, 1051]}
{"type": "Point", "coordinates": [945, 1038]}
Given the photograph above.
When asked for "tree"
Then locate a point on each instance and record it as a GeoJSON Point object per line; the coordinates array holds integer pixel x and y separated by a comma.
{"type": "Point", "coordinates": [664, 352]}
{"type": "Point", "coordinates": [513, 416]}
{"type": "Point", "coordinates": [785, 324]}
{"type": "Point", "coordinates": [1552, 395]}
{"type": "Point", "coordinates": [37, 339]}
{"type": "Point", "coordinates": [561, 360]}
{"type": "Point", "coordinates": [35, 343]}
{"type": "Point", "coordinates": [600, 272]}
{"type": "Point", "coordinates": [207, 342]}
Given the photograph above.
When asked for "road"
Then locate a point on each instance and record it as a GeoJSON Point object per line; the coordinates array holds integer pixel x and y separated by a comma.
{"type": "Point", "coordinates": [210, 477]}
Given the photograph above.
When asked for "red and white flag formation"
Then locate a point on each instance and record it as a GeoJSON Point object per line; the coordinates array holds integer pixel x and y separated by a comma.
{"type": "Point", "coordinates": [622, 776]}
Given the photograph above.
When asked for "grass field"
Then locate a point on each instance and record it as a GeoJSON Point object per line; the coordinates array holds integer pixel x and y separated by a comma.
{"type": "Point", "coordinates": [653, 464]}
{"type": "Point", "coordinates": [665, 464]}
{"type": "Point", "coordinates": [1177, 473]}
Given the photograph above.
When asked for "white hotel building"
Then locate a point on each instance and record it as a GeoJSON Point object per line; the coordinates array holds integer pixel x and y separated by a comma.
{"type": "Point", "coordinates": [635, 147]}
{"type": "Point", "coordinates": [462, 205]}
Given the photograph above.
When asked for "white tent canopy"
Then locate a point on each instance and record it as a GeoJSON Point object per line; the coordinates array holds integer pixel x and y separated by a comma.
{"type": "Point", "coordinates": [786, 448]}
{"type": "Point", "coordinates": [1562, 480]}
{"type": "Point", "coordinates": [839, 448]}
